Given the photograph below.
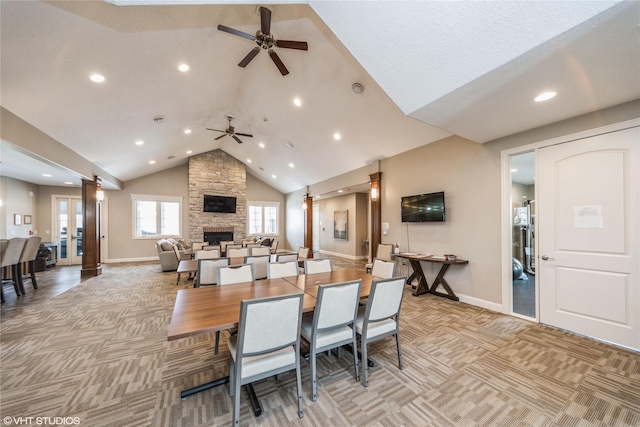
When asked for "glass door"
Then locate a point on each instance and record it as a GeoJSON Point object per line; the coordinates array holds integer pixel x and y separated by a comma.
{"type": "Point", "coordinates": [69, 230]}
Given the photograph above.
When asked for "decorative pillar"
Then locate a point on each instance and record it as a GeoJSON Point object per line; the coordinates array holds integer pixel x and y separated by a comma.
{"type": "Point", "coordinates": [307, 207]}
{"type": "Point", "coordinates": [91, 228]}
{"type": "Point", "coordinates": [376, 212]}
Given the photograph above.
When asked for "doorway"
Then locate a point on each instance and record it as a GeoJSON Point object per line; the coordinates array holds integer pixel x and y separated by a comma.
{"type": "Point", "coordinates": [523, 222]}
{"type": "Point", "coordinates": [68, 229]}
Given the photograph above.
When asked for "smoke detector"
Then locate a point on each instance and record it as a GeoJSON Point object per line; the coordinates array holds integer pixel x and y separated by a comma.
{"type": "Point", "coordinates": [357, 87]}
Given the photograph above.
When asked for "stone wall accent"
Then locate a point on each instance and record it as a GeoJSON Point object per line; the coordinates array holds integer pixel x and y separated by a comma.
{"type": "Point", "coordinates": [216, 173]}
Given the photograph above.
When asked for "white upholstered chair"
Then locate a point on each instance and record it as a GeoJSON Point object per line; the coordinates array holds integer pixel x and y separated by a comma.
{"type": "Point", "coordinates": [267, 344]}
{"type": "Point", "coordinates": [380, 318]}
{"type": "Point", "coordinates": [237, 252]}
{"type": "Point", "coordinates": [231, 274]}
{"type": "Point", "coordinates": [207, 254]}
{"type": "Point", "coordinates": [318, 265]}
{"type": "Point", "coordinates": [383, 269]}
{"type": "Point", "coordinates": [331, 324]}
{"type": "Point", "coordinates": [260, 250]}
{"type": "Point", "coordinates": [208, 270]}
{"type": "Point", "coordinates": [383, 252]}
{"type": "Point", "coordinates": [303, 253]}
{"type": "Point", "coordinates": [282, 269]}
{"type": "Point", "coordinates": [286, 257]}
{"type": "Point", "coordinates": [260, 263]}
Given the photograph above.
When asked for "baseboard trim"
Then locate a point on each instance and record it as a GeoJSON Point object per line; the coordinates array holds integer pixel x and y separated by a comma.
{"type": "Point", "coordinates": [114, 260]}
{"type": "Point", "coordinates": [480, 303]}
{"type": "Point", "coordinates": [351, 257]}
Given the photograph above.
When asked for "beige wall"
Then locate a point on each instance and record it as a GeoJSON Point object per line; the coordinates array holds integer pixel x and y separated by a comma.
{"type": "Point", "coordinates": [258, 191]}
{"type": "Point", "coordinates": [356, 205]}
{"type": "Point", "coordinates": [18, 197]}
{"type": "Point", "coordinates": [294, 220]}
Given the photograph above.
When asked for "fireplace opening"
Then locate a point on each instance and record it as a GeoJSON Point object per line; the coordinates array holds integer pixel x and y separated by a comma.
{"type": "Point", "coordinates": [215, 235]}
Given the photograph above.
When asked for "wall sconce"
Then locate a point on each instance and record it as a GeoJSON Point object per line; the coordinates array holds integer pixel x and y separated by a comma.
{"type": "Point", "coordinates": [304, 204]}
{"type": "Point", "coordinates": [99, 193]}
{"type": "Point", "coordinates": [374, 194]}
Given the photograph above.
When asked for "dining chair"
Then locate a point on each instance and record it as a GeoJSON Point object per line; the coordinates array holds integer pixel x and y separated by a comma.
{"type": "Point", "coordinates": [279, 269]}
{"type": "Point", "coordinates": [383, 269]}
{"type": "Point", "coordinates": [207, 254]}
{"type": "Point", "coordinates": [260, 250]}
{"type": "Point", "coordinates": [237, 252]}
{"type": "Point", "coordinates": [212, 248]}
{"type": "Point", "coordinates": [197, 246]}
{"type": "Point", "coordinates": [318, 265]}
{"type": "Point", "coordinates": [260, 263]}
{"type": "Point", "coordinates": [383, 252]}
{"type": "Point", "coordinates": [251, 246]}
{"type": "Point", "coordinates": [207, 273]}
{"type": "Point", "coordinates": [380, 318]}
{"type": "Point", "coordinates": [303, 253]}
{"type": "Point", "coordinates": [274, 246]}
{"type": "Point", "coordinates": [286, 257]}
{"type": "Point", "coordinates": [10, 251]}
{"type": "Point", "coordinates": [267, 344]}
{"type": "Point", "coordinates": [331, 324]}
{"type": "Point", "coordinates": [228, 275]}
{"type": "Point", "coordinates": [224, 244]}
{"type": "Point", "coordinates": [28, 255]}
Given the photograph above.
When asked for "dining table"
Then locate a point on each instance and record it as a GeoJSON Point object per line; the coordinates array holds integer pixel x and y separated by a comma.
{"type": "Point", "coordinates": [216, 308]}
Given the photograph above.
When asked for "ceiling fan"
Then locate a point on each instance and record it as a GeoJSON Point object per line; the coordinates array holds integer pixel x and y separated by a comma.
{"type": "Point", "coordinates": [231, 131]}
{"type": "Point", "coordinates": [265, 40]}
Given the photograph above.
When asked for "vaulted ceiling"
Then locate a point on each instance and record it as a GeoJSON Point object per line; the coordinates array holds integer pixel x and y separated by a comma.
{"type": "Point", "coordinates": [429, 70]}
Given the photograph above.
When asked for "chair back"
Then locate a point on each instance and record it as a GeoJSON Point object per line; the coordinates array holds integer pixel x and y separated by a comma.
{"type": "Point", "coordinates": [337, 305]}
{"type": "Point", "coordinates": [279, 269]}
{"type": "Point", "coordinates": [385, 299]}
{"type": "Point", "coordinates": [197, 246]}
{"type": "Point", "coordinates": [231, 274]}
{"type": "Point", "coordinates": [260, 263]}
{"type": "Point", "coordinates": [274, 246]}
{"type": "Point", "coordinates": [286, 257]}
{"type": "Point", "coordinates": [322, 265]}
{"type": "Point", "coordinates": [207, 254]}
{"type": "Point", "coordinates": [383, 269]}
{"type": "Point", "coordinates": [30, 249]}
{"type": "Point", "coordinates": [269, 324]}
{"type": "Point", "coordinates": [208, 270]}
{"type": "Point", "coordinates": [384, 252]}
{"type": "Point", "coordinates": [260, 250]}
{"type": "Point", "coordinates": [303, 253]}
{"type": "Point", "coordinates": [11, 250]}
{"type": "Point", "coordinates": [237, 252]}
{"type": "Point", "coordinates": [252, 246]}
{"type": "Point", "coordinates": [212, 248]}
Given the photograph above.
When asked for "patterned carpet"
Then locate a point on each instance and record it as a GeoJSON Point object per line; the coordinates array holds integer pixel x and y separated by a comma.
{"type": "Point", "coordinates": [96, 349]}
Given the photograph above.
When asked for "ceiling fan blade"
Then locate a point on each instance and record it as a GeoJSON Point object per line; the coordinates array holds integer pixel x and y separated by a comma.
{"type": "Point", "coordinates": [244, 134]}
{"type": "Point", "coordinates": [216, 130]}
{"type": "Point", "coordinates": [249, 57]}
{"type": "Point", "coordinates": [290, 44]}
{"type": "Point", "coordinates": [236, 32]}
{"type": "Point", "coordinates": [276, 60]}
{"type": "Point", "coordinates": [221, 136]}
{"type": "Point", "coordinates": [237, 139]}
{"type": "Point", "coordinates": [265, 20]}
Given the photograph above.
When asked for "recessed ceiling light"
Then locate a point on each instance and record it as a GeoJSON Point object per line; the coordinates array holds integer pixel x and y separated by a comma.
{"type": "Point", "coordinates": [151, 162]}
{"type": "Point", "coordinates": [514, 170]}
{"type": "Point", "coordinates": [288, 144]}
{"type": "Point", "coordinates": [297, 102]}
{"type": "Point", "coordinates": [183, 67]}
{"type": "Point", "coordinates": [140, 142]}
{"type": "Point", "coordinates": [290, 165]}
{"type": "Point", "coordinates": [68, 183]}
{"type": "Point", "coordinates": [261, 145]}
{"type": "Point", "coordinates": [47, 175]}
{"type": "Point", "coordinates": [248, 160]}
{"type": "Point", "coordinates": [187, 131]}
{"type": "Point", "coordinates": [273, 176]}
{"type": "Point", "coordinates": [336, 136]}
{"type": "Point", "coordinates": [97, 78]}
{"type": "Point", "coordinates": [340, 191]}
{"type": "Point", "coordinates": [189, 152]}
{"type": "Point", "coordinates": [544, 96]}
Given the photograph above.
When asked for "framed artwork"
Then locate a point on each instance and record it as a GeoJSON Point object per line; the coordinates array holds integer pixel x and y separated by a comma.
{"type": "Point", "coordinates": [27, 219]}
{"type": "Point", "coordinates": [340, 225]}
{"type": "Point", "coordinates": [17, 219]}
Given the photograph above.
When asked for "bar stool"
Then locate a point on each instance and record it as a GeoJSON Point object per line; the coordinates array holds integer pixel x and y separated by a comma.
{"type": "Point", "coordinates": [11, 250]}
{"type": "Point", "coordinates": [28, 255]}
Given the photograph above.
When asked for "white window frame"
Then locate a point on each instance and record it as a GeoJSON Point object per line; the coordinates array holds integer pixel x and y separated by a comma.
{"type": "Point", "coordinates": [147, 198]}
{"type": "Point", "coordinates": [263, 205]}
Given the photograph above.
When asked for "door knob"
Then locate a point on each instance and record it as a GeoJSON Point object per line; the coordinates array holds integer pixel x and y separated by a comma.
{"type": "Point", "coordinates": [544, 257]}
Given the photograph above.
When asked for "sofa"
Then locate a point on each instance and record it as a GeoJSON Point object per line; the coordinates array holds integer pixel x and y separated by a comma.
{"type": "Point", "coordinates": [167, 254]}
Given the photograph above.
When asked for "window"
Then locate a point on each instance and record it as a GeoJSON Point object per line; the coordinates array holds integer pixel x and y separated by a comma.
{"type": "Point", "coordinates": [155, 216]}
{"type": "Point", "coordinates": [262, 218]}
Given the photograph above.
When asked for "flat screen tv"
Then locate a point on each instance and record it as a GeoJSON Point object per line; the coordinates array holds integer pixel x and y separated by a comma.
{"type": "Point", "coordinates": [220, 204]}
{"type": "Point", "coordinates": [423, 208]}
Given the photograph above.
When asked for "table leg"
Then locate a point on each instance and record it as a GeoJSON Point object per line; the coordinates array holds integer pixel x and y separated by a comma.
{"type": "Point", "coordinates": [423, 286]}
{"type": "Point", "coordinates": [257, 410]}
{"type": "Point", "coordinates": [439, 280]}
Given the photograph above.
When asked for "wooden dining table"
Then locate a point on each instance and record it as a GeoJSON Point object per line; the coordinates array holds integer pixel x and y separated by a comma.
{"type": "Point", "coordinates": [216, 308]}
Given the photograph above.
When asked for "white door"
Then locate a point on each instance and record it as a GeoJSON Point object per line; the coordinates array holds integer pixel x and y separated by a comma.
{"type": "Point", "coordinates": [69, 230]}
{"type": "Point", "coordinates": [588, 235]}
{"type": "Point", "coordinates": [316, 228]}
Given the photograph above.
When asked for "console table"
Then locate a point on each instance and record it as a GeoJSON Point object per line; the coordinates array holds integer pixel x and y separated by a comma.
{"type": "Point", "coordinates": [423, 287]}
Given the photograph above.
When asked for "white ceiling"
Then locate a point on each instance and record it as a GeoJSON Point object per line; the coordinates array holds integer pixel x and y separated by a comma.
{"type": "Point", "coordinates": [429, 69]}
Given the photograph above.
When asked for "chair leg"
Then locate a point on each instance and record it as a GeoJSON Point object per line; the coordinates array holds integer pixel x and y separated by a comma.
{"type": "Point", "coordinates": [365, 365]}
{"type": "Point", "coordinates": [32, 272]}
{"type": "Point", "coordinates": [1, 293]}
{"type": "Point", "coordinates": [17, 278]}
{"type": "Point", "coordinates": [16, 283]}
{"type": "Point", "coordinates": [217, 342]}
{"type": "Point", "coordinates": [399, 352]}
{"type": "Point", "coordinates": [236, 401]}
{"type": "Point", "coordinates": [232, 375]}
{"type": "Point", "coordinates": [299, 381]}
{"type": "Point", "coordinates": [314, 379]}
{"type": "Point", "coordinates": [355, 359]}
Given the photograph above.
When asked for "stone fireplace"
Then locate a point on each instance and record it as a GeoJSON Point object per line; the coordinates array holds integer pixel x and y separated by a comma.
{"type": "Point", "coordinates": [219, 174]}
{"type": "Point", "coordinates": [215, 235]}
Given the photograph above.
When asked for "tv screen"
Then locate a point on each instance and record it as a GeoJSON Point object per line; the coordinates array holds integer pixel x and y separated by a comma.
{"type": "Point", "coordinates": [423, 208]}
{"type": "Point", "coordinates": [221, 204]}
